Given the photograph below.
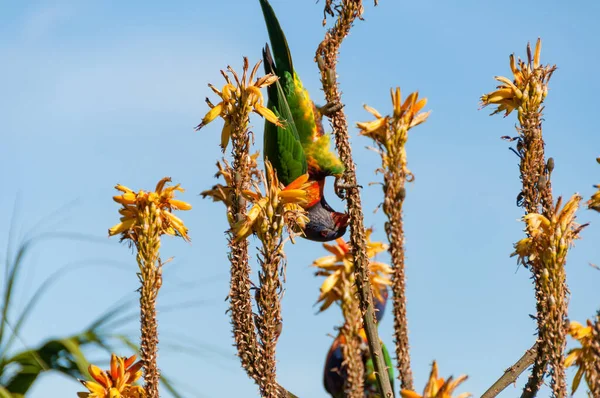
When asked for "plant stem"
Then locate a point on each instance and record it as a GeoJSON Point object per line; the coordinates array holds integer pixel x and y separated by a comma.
{"type": "Point", "coordinates": [268, 319]}
{"type": "Point", "coordinates": [150, 275]}
{"type": "Point", "coordinates": [328, 50]}
{"type": "Point", "coordinates": [393, 187]}
{"type": "Point", "coordinates": [351, 352]}
{"type": "Point", "coordinates": [512, 373]}
{"type": "Point", "coordinates": [551, 316]}
{"type": "Point", "coordinates": [240, 299]}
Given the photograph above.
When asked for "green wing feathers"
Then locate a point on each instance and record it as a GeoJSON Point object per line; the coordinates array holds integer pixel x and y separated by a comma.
{"type": "Point", "coordinates": [281, 51]}
{"type": "Point", "coordinates": [320, 159]}
{"type": "Point", "coordinates": [282, 146]}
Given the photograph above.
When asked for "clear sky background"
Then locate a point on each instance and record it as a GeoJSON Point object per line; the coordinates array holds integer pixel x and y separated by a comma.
{"type": "Point", "coordinates": [99, 93]}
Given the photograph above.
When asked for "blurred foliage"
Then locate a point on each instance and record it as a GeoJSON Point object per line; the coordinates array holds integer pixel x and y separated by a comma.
{"type": "Point", "coordinates": [67, 354]}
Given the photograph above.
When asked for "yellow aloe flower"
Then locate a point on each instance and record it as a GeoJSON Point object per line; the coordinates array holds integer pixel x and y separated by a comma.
{"type": "Point", "coordinates": [137, 209]}
{"type": "Point", "coordinates": [117, 382]}
{"type": "Point", "coordinates": [406, 113]}
{"type": "Point", "coordinates": [390, 133]}
{"type": "Point", "coordinates": [339, 271]}
{"type": "Point", "coordinates": [244, 93]}
{"type": "Point", "coordinates": [583, 357]}
{"type": "Point", "coordinates": [437, 387]}
{"type": "Point", "coordinates": [527, 90]}
{"type": "Point", "coordinates": [594, 202]}
{"type": "Point", "coordinates": [546, 236]}
{"type": "Point", "coordinates": [277, 200]}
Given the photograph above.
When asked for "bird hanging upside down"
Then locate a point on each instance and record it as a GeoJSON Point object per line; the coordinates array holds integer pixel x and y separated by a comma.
{"type": "Point", "coordinates": [300, 146]}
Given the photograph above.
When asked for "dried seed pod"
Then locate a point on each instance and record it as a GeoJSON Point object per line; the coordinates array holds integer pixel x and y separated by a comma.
{"type": "Point", "coordinates": [401, 194]}
{"type": "Point", "coordinates": [550, 165]}
{"type": "Point", "coordinates": [320, 62]}
{"type": "Point", "coordinates": [330, 76]}
{"type": "Point", "coordinates": [541, 184]}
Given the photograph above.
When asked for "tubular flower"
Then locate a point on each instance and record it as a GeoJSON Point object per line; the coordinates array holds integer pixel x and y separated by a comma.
{"type": "Point", "coordinates": [137, 209]}
{"type": "Point", "coordinates": [278, 201]}
{"type": "Point", "coordinates": [118, 382]}
{"type": "Point", "coordinates": [339, 272]}
{"type": "Point", "coordinates": [390, 133]}
{"type": "Point", "coordinates": [594, 202]}
{"type": "Point", "coordinates": [549, 240]}
{"type": "Point", "coordinates": [437, 387]}
{"type": "Point", "coordinates": [234, 97]}
{"type": "Point", "coordinates": [527, 90]}
{"type": "Point", "coordinates": [583, 357]}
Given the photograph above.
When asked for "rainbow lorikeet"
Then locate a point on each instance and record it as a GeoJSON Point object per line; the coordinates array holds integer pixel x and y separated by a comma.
{"type": "Point", "coordinates": [300, 146]}
{"type": "Point", "coordinates": [334, 373]}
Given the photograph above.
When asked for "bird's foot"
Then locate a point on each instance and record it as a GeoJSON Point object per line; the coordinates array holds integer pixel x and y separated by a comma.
{"type": "Point", "coordinates": [341, 188]}
{"type": "Point", "coordinates": [330, 108]}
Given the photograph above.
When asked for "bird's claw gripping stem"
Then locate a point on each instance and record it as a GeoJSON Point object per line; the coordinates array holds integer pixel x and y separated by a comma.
{"type": "Point", "coordinates": [330, 108]}
{"type": "Point", "coordinates": [340, 187]}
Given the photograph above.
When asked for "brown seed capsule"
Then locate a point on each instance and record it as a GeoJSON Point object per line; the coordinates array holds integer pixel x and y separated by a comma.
{"type": "Point", "coordinates": [320, 62]}
{"type": "Point", "coordinates": [550, 165]}
{"type": "Point", "coordinates": [401, 194]}
{"type": "Point", "coordinates": [330, 76]}
{"type": "Point", "coordinates": [541, 184]}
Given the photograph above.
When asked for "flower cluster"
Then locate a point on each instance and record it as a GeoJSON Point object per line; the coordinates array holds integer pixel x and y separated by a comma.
{"type": "Point", "coordinates": [584, 357]}
{"type": "Point", "coordinates": [594, 202]}
{"type": "Point", "coordinates": [279, 206]}
{"type": "Point", "coordinates": [141, 206]}
{"type": "Point", "coordinates": [527, 90]}
{"type": "Point", "coordinates": [277, 201]}
{"type": "Point", "coordinates": [339, 272]}
{"type": "Point", "coordinates": [390, 133]}
{"type": "Point", "coordinates": [438, 387]}
{"type": "Point", "coordinates": [117, 382]}
{"type": "Point", "coordinates": [548, 240]}
{"type": "Point", "coordinates": [244, 93]}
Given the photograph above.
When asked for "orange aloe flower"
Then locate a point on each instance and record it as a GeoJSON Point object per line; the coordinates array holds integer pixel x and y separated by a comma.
{"type": "Point", "coordinates": [339, 271]}
{"type": "Point", "coordinates": [437, 387]}
{"type": "Point", "coordinates": [118, 382]}
{"type": "Point", "coordinates": [287, 201]}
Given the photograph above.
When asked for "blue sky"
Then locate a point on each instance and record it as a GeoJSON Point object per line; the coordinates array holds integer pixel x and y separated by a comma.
{"type": "Point", "coordinates": [96, 94]}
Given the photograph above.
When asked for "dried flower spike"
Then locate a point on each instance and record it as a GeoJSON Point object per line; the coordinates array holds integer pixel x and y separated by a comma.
{"type": "Point", "coordinates": [145, 217]}
{"type": "Point", "coordinates": [390, 134]}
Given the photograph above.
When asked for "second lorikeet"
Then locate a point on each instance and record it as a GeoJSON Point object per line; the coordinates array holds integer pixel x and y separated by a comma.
{"type": "Point", "coordinates": [334, 374]}
{"type": "Point", "coordinates": [300, 146]}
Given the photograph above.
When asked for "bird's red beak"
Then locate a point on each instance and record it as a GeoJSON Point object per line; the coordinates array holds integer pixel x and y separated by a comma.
{"type": "Point", "coordinates": [341, 219]}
